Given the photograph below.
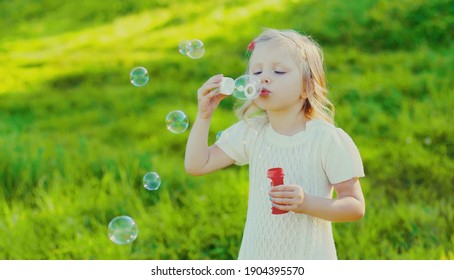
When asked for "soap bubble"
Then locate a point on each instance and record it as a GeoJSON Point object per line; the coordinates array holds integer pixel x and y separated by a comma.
{"type": "Point", "coordinates": [218, 135]}
{"type": "Point", "coordinates": [139, 76]}
{"type": "Point", "coordinates": [196, 49]}
{"type": "Point", "coordinates": [192, 48]}
{"type": "Point", "coordinates": [151, 181]}
{"type": "Point", "coordinates": [247, 87]}
{"type": "Point", "coordinates": [123, 230]}
{"type": "Point", "coordinates": [177, 122]}
{"type": "Point", "coordinates": [183, 47]}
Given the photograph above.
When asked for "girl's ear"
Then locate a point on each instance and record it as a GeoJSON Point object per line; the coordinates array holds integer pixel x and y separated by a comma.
{"type": "Point", "coordinates": [308, 86]}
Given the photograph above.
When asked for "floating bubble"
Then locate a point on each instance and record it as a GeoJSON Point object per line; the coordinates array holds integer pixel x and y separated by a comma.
{"type": "Point", "coordinates": [177, 122]}
{"type": "Point", "coordinates": [123, 230]}
{"type": "Point", "coordinates": [184, 46]}
{"type": "Point", "coordinates": [192, 48]}
{"type": "Point", "coordinates": [247, 87]}
{"type": "Point", "coordinates": [139, 76]}
{"type": "Point", "coordinates": [196, 49]}
{"type": "Point", "coordinates": [151, 181]}
{"type": "Point", "coordinates": [218, 135]}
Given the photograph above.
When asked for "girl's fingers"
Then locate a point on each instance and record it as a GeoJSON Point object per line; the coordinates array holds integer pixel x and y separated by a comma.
{"type": "Point", "coordinates": [286, 197]}
{"type": "Point", "coordinates": [219, 97]}
{"type": "Point", "coordinates": [283, 188]}
{"type": "Point", "coordinates": [284, 207]}
{"type": "Point", "coordinates": [213, 92]}
{"type": "Point", "coordinates": [281, 194]}
{"type": "Point", "coordinates": [210, 84]}
{"type": "Point", "coordinates": [216, 78]}
{"type": "Point", "coordinates": [206, 89]}
{"type": "Point", "coordinates": [210, 97]}
{"type": "Point", "coordinates": [284, 201]}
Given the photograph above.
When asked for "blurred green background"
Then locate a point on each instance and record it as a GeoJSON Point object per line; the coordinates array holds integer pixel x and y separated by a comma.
{"type": "Point", "coordinates": [76, 137]}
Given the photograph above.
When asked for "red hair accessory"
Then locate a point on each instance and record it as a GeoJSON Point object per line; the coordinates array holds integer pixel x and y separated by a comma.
{"type": "Point", "coordinates": [251, 46]}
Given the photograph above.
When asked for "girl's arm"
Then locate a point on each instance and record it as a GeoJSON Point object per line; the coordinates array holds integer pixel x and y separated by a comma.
{"type": "Point", "coordinates": [348, 206]}
{"type": "Point", "coordinates": [199, 158]}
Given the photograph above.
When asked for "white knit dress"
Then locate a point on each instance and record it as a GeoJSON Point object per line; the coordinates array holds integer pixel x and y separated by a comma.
{"type": "Point", "coordinates": [315, 158]}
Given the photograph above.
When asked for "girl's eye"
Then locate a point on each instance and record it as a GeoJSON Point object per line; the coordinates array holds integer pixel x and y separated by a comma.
{"type": "Point", "coordinates": [279, 72]}
{"type": "Point", "coordinates": [257, 73]}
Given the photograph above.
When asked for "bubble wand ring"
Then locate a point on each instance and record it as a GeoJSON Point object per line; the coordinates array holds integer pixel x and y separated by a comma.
{"type": "Point", "coordinates": [250, 92]}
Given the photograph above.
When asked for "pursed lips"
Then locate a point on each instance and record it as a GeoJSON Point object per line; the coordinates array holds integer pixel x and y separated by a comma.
{"type": "Point", "coordinates": [264, 92]}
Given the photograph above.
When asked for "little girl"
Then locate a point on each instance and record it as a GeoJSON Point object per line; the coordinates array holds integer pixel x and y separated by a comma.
{"type": "Point", "coordinates": [290, 126]}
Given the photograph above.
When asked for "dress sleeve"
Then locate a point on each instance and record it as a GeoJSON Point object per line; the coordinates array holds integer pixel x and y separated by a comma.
{"type": "Point", "coordinates": [342, 160]}
{"type": "Point", "coordinates": [233, 142]}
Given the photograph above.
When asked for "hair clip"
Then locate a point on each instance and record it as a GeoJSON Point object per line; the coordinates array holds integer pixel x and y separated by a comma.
{"type": "Point", "coordinates": [251, 46]}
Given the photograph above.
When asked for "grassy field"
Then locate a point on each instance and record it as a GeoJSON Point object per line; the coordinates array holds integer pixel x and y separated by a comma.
{"type": "Point", "coordinates": [76, 137]}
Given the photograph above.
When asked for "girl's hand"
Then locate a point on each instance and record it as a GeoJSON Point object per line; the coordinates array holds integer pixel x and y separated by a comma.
{"type": "Point", "coordinates": [287, 197]}
{"type": "Point", "coordinates": [209, 97]}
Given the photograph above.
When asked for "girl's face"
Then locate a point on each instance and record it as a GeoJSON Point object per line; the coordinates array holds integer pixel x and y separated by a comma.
{"type": "Point", "coordinates": [280, 76]}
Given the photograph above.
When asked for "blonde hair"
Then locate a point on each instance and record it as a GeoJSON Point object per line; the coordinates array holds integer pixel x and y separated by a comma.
{"type": "Point", "coordinates": [308, 52]}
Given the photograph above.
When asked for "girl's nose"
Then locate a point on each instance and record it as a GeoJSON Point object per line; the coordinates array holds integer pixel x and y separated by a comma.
{"type": "Point", "coordinates": [266, 80]}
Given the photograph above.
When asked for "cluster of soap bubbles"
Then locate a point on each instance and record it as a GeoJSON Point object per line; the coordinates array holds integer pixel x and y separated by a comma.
{"type": "Point", "coordinates": [176, 121]}
{"type": "Point", "coordinates": [123, 229]}
{"type": "Point", "coordinates": [194, 49]}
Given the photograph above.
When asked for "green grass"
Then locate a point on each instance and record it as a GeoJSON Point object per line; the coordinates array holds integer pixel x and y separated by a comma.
{"type": "Point", "coordinates": [76, 137]}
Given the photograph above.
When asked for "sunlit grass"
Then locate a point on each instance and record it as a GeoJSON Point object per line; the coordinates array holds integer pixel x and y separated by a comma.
{"type": "Point", "coordinates": [76, 137]}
